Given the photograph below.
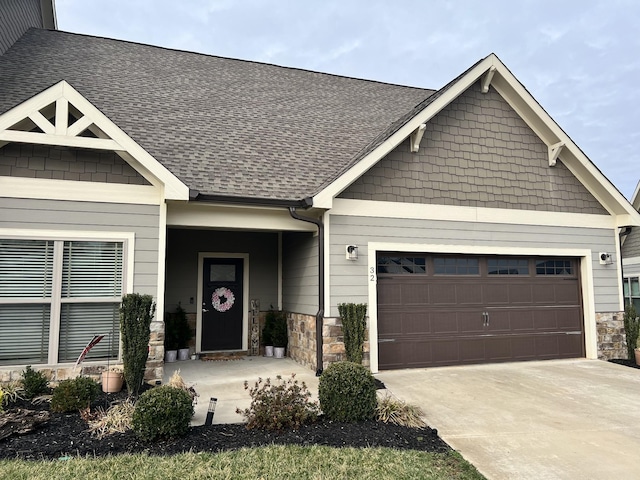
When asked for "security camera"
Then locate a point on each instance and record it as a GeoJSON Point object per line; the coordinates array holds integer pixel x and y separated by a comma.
{"type": "Point", "coordinates": [605, 258]}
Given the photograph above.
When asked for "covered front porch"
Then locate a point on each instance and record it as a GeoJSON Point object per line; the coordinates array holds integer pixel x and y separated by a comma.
{"type": "Point", "coordinates": [227, 266]}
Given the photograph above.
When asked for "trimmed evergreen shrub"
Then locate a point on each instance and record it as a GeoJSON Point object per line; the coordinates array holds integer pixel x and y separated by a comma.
{"type": "Point", "coordinates": [279, 406]}
{"type": "Point", "coordinates": [347, 392]}
{"type": "Point", "coordinates": [631, 329]}
{"type": "Point", "coordinates": [136, 313]}
{"type": "Point", "coordinates": [162, 412]}
{"type": "Point", "coordinates": [354, 325]}
{"type": "Point", "coordinates": [34, 383]}
{"type": "Point", "coordinates": [74, 394]}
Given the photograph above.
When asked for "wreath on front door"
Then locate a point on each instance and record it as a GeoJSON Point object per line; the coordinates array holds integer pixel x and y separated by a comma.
{"type": "Point", "coordinates": [217, 299]}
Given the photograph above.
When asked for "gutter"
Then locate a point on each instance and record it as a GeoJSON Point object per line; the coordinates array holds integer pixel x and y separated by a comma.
{"type": "Point", "coordinates": [194, 195]}
{"type": "Point", "coordinates": [320, 314]}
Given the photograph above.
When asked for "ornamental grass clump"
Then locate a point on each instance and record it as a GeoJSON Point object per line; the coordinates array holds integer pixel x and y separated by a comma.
{"type": "Point", "coordinates": [74, 395]}
{"type": "Point", "coordinates": [117, 419]}
{"type": "Point", "coordinates": [392, 410]}
{"type": "Point", "coordinates": [10, 393]}
{"type": "Point", "coordinates": [347, 392]}
{"type": "Point", "coordinates": [162, 412]}
{"type": "Point", "coordinates": [284, 405]}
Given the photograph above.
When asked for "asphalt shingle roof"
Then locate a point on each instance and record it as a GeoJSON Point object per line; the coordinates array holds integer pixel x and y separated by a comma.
{"type": "Point", "coordinates": [225, 127]}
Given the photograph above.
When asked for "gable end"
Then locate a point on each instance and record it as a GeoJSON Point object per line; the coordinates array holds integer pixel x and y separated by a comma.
{"type": "Point", "coordinates": [476, 152]}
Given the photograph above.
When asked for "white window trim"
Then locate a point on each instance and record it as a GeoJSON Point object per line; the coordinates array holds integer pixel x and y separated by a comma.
{"type": "Point", "coordinates": [128, 249]}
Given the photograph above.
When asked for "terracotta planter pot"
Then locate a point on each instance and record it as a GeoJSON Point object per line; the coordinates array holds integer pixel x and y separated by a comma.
{"type": "Point", "coordinates": [637, 352]}
{"type": "Point", "coordinates": [112, 382]}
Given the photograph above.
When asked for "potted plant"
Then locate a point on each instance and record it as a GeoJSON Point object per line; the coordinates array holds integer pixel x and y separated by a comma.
{"type": "Point", "coordinates": [183, 332]}
{"type": "Point", "coordinates": [280, 335]}
{"type": "Point", "coordinates": [112, 379]}
{"type": "Point", "coordinates": [267, 333]}
{"type": "Point", "coordinates": [170, 338]}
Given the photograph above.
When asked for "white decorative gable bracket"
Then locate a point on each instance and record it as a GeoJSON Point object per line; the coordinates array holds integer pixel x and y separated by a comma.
{"type": "Point", "coordinates": [51, 119]}
{"type": "Point", "coordinates": [61, 116]}
{"type": "Point", "coordinates": [416, 137]}
{"type": "Point", "coordinates": [554, 152]}
{"type": "Point", "coordinates": [485, 81]}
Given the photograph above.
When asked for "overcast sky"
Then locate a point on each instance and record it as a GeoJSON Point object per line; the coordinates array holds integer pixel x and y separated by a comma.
{"type": "Point", "coordinates": [580, 59]}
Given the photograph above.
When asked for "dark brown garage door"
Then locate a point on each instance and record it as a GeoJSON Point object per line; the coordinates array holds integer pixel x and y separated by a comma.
{"type": "Point", "coordinates": [448, 310]}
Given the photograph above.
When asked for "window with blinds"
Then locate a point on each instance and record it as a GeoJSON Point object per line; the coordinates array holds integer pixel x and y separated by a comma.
{"type": "Point", "coordinates": [89, 278]}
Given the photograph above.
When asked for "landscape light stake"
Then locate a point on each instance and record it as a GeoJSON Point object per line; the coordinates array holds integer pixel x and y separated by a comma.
{"type": "Point", "coordinates": [210, 411]}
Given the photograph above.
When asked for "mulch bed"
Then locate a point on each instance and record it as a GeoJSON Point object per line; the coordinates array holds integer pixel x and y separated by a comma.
{"type": "Point", "coordinates": [625, 362]}
{"type": "Point", "coordinates": [66, 435]}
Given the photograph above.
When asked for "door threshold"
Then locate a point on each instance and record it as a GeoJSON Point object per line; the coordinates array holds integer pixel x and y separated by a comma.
{"type": "Point", "coordinates": [223, 355]}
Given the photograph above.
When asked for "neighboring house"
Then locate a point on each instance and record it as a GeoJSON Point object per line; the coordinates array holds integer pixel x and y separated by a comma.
{"type": "Point", "coordinates": [17, 16]}
{"type": "Point", "coordinates": [465, 218]}
{"type": "Point", "coordinates": [631, 259]}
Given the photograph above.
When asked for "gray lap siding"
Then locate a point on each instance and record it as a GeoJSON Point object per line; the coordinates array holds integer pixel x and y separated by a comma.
{"type": "Point", "coordinates": [70, 216]}
{"type": "Point", "coordinates": [349, 279]}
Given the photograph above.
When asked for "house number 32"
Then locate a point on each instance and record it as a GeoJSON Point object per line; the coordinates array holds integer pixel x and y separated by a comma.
{"type": "Point", "coordinates": [372, 274]}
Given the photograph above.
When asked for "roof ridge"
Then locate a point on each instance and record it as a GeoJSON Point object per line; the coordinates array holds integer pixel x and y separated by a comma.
{"type": "Point", "coordinates": [255, 62]}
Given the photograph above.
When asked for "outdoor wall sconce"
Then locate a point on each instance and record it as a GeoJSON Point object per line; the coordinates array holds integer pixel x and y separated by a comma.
{"type": "Point", "coordinates": [352, 252]}
{"type": "Point", "coordinates": [605, 258]}
{"type": "Point", "coordinates": [210, 411]}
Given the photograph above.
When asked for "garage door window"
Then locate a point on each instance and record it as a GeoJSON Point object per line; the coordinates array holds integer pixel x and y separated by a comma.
{"type": "Point", "coordinates": [508, 266]}
{"type": "Point", "coordinates": [401, 265]}
{"type": "Point", "coordinates": [554, 267]}
{"type": "Point", "coordinates": [55, 295]}
{"type": "Point", "coordinates": [456, 266]}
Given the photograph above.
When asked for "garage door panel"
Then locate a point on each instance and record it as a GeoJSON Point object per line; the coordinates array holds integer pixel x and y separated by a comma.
{"type": "Point", "coordinates": [464, 316]}
{"type": "Point", "coordinates": [520, 294]}
{"type": "Point", "coordinates": [442, 294]}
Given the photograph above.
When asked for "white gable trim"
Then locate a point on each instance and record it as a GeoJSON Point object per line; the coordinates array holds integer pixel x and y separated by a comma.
{"type": "Point", "coordinates": [63, 95]}
{"type": "Point", "coordinates": [531, 112]}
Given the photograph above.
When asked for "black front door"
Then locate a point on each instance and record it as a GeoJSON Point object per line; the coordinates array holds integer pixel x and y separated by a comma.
{"type": "Point", "coordinates": [222, 300]}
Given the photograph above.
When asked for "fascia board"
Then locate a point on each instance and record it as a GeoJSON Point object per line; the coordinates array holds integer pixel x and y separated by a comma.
{"type": "Point", "coordinates": [324, 199]}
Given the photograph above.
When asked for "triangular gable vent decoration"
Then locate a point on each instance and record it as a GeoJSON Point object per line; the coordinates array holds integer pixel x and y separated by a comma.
{"type": "Point", "coordinates": [51, 118]}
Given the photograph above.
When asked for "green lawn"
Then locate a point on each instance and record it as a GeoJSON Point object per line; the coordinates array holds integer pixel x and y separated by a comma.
{"type": "Point", "coordinates": [275, 462]}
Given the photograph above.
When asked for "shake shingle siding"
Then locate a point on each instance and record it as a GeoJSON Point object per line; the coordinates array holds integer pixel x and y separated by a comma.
{"type": "Point", "coordinates": [476, 152]}
{"type": "Point", "coordinates": [631, 245]}
{"type": "Point", "coordinates": [224, 127]}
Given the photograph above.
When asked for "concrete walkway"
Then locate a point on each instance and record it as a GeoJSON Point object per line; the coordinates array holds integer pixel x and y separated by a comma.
{"type": "Point", "coordinates": [565, 419]}
{"type": "Point", "coordinates": [224, 380]}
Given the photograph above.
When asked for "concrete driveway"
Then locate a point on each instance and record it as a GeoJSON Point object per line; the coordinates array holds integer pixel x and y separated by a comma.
{"type": "Point", "coordinates": [573, 419]}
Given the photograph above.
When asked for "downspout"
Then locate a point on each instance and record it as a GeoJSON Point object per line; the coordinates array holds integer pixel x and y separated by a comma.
{"type": "Point", "coordinates": [320, 314]}
{"type": "Point", "coordinates": [621, 235]}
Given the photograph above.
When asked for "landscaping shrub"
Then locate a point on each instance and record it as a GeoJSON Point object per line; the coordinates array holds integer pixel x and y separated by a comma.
{"type": "Point", "coordinates": [162, 412]}
{"type": "Point", "coordinates": [631, 329]}
{"type": "Point", "coordinates": [391, 410]}
{"type": "Point", "coordinates": [279, 406]}
{"type": "Point", "coordinates": [34, 383]}
{"type": "Point", "coordinates": [136, 313]}
{"type": "Point", "coordinates": [347, 392]}
{"type": "Point", "coordinates": [354, 325]}
{"type": "Point", "coordinates": [75, 394]}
